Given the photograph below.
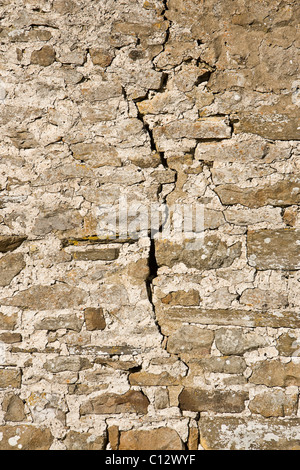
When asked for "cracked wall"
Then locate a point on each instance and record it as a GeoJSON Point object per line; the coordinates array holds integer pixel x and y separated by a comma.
{"type": "Point", "coordinates": [135, 343]}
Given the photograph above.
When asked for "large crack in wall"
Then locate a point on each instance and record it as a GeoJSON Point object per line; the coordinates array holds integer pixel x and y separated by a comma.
{"type": "Point", "coordinates": [115, 337]}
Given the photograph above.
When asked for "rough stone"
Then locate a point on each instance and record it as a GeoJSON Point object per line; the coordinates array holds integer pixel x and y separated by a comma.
{"type": "Point", "coordinates": [130, 402]}
{"type": "Point", "coordinates": [8, 322]}
{"type": "Point", "coordinates": [10, 266]}
{"type": "Point", "coordinates": [190, 340]}
{"type": "Point", "coordinates": [169, 318]}
{"type": "Point", "coordinates": [68, 322]}
{"type": "Point", "coordinates": [274, 249]}
{"type": "Point", "coordinates": [276, 404]}
{"type": "Point", "coordinates": [25, 438]}
{"type": "Point", "coordinates": [14, 408]}
{"type": "Point", "coordinates": [146, 379]}
{"type": "Point", "coordinates": [228, 433]}
{"type": "Point", "coordinates": [264, 299]}
{"type": "Point", "coordinates": [156, 439]}
{"type": "Point", "coordinates": [110, 254]}
{"type": "Point", "coordinates": [181, 297]}
{"type": "Point", "coordinates": [113, 437]}
{"type": "Point", "coordinates": [10, 242]}
{"type": "Point", "coordinates": [44, 57]}
{"type": "Point", "coordinates": [234, 341]}
{"type": "Point", "coordinates": [288, 345]}
{"type": "Point", "coordinates": [222, 365]}
{"type": "Point", "coordinates": [10, 338]}
{"type": "Point", "coordinates": [84, 441]}
{"type": "Point", "coordinates": [218, 401]}
{"type": "Point", "coordinates": [94, 319]}
{"type": "Point", "coordinates": [10, 378]}
{"type": "Point", "coordinates": [276, 374]}
{"type": "Point", "coordinates": [282, 194]}
{"type": "Point", "coordinates": [58, 296]}
{"type": "Point", "coordinates": [213, 254]}
{"type": "Point", "coordinates": [67, 363]}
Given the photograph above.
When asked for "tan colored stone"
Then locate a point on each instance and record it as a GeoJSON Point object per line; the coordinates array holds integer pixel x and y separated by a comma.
{"type": "Point", "coordinates": [156, 439]}
{"type": "Point", "coordinates": [284, 193]}
{"type": "Point", "coordinates": [44, 57]}
{"type": "Point", "coordinates": [68, 322]}
{"type": "Point", "coordinates": [84, 441]}
{"type": "Point", "coordinates": [210, 128]}
{"type": "Point", "coordinates": [101, 57]}
{"type": "Point", "coordinates": [109, 254]}
{"type": "Point", "coordinates": [58, 296]}
{"type": "Point", "coordinates": [58, 220]}
{"type": "Point", "coordinates": [227, 433]}
{"type": "Point", "coordinates": [276, 404]}
{"type": "Point", "coordinates": [264, 299]}
{"type": "Point", "coordinates": [10, 266]}
{"type": "Point", "coordinates": [10, 378]}
{"type": "Point", "coordinates": [193, 439]}
{"type": "Point", "coordinates": [170, 319]}
{"type": "Point", "coordinates": [14, 408]}
{"type": "Point", "coordinates": [130, 402]}
{"type": "Point", "coordinates": [67, 363]}
{"type": "Point", "coordinates": [182, 297]}
{"type": "Point", "coordinates": [161, 398]}
{"type": "Point", "coordinates": [96, 155]}
{"type": "Point", "coordinates": [276, 374]}
{"type": "Point", "coordinates": [221, 365]}
{"type": "Point", "coordinates": [10, 242]}
{"type": "Point", "coordinates": [113, 437]}
{"type": "Point", "coordinates": [274, 249]}
{"type": "Point", "coordinates": [8, 322]}
{"type": "Point", "coordinates": [218, 401]}
{"type": "Point", "coordinates": [235, 341]}
{"type": "Point", "coordinates": [211, 254]}
{"type": "Point", "coordinates": [94, 319]}
{"type": "Point", "coordinates": [190, 340]}
{"type": "Point", "coordinates": [288, 345]}
{"type": "Point", "coordinates": [25, 438]}
{"type": "Point", "coordinates": [10, 338]}
{"type": "Point", "coordinates": [146, 379]}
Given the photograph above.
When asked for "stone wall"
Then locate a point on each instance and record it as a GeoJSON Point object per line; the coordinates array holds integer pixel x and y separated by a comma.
{"type": "Point", "coordinates": [140, 342]}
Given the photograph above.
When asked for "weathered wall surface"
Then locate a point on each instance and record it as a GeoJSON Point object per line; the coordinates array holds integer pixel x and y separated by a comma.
{"type": "Point", "coordinates": [137, 343]}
